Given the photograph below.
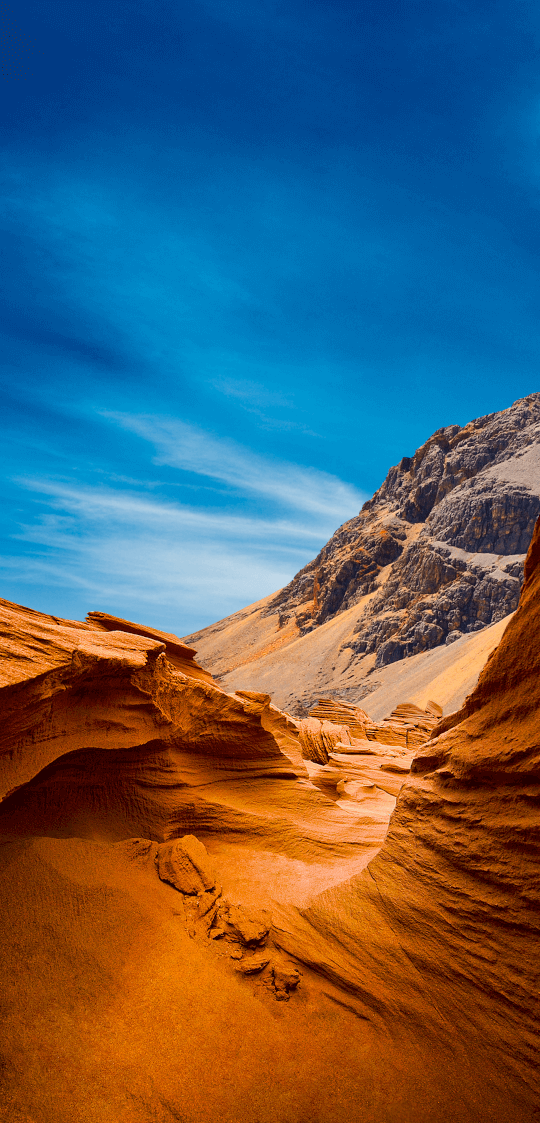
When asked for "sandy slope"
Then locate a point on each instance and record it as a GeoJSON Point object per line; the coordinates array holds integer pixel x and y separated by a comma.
{"type": "Point", "coordinates": [438, 551]}
{"type": "Point", "coordinates": [446, 674]}
{"type": "Point", "coordinates": [111, 1013]}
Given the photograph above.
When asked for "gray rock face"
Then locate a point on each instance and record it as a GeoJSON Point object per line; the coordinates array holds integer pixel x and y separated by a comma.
{"type": "Point", "coordinates": [448, 530]}
{"type": "Point", "coordinates": [491, 518]}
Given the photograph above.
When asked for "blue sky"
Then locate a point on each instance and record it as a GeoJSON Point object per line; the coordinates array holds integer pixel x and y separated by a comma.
{"type": "Point", "coordinates": [253, 254]}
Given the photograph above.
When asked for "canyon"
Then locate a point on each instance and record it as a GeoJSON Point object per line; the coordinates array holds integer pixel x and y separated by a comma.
{"type": "Point", "coordinates": [217, 905]}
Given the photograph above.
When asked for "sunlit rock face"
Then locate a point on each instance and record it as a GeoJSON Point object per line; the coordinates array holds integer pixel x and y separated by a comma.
{"type": "Point", "coordinates": [438, 552]}
{"type": "Point", "coordinates": [440, 932]}
{"type": "Point", "coordinates": [104, 737]}
{"type": "Point", "coordinates": [163, 845]}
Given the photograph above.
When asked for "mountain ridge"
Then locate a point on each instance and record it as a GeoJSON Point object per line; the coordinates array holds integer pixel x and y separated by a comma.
{"type": "Point", "coordinates": [435, 554]}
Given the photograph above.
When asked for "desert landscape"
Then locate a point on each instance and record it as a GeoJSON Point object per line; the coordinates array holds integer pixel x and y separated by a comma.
{"type": "Point", "coordinates": [285, 869]}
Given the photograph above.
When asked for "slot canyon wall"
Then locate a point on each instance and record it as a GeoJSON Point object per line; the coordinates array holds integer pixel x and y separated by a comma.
{"type": "Point", "coordinates": [192, 927]}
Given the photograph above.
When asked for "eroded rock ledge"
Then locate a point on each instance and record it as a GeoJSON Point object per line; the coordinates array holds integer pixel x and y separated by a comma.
{"type": "Point", "coordinates": [440, 932]}
{"type": "Point", "coordinates": [104, 737]}
{"type": "Point", "coordinates": [128, 773]}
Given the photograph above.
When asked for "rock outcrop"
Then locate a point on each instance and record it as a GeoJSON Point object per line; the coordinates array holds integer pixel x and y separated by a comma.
{"type": "Point", "coordinates": [439, 933]}
{"type": "Point", "coordinates": [436, 554]}
{"type": "Point", "coordinates": [133, 966]}
{"type": "Point", "coordinates": [135, 969]}
{"type": "Point", "coordinates": [104, 737]}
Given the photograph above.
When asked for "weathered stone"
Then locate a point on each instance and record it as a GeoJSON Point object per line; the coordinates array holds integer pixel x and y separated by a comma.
{"type": "Point", "coordinates": [439, 549]}
{"type": "Point", "coordinates": [254, 965]}
{"type": "Point", "coordinates": [184, 863]}
{"type": "Point", "coordinates": [318, 738]}
{"type": "Point", "coordinates": [250, 927]}
{"type": "Point", "coordinates": [285, 979]}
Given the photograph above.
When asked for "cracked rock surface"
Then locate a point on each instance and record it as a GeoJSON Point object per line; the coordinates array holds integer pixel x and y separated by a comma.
{"type": "Point", "coordinates": [437, 552]}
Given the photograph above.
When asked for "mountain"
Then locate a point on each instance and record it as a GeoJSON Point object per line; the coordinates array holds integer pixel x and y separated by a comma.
{"type": "Point", "coordinates": [435, 555]}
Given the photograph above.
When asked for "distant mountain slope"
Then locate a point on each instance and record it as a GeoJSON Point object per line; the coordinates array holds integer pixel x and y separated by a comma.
{"type": "Point", "coordinates": [437, 553]}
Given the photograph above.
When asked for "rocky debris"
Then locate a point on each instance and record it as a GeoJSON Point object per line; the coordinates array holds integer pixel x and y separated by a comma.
{"type": "Point", "coordinates": [285, 979]}
{"type": "Point", "coordinates": [437, 552]}
{"type": "Point", "coordinates": [185, 863]}
{"type": "Point", "coordinates": [247, 932]}
{"type": "Point", "coordinates": [207, 904]}
{"type": "Point", "coordinates": [250, 927]}
{"type": "Point", "coordinates": [254, 965]}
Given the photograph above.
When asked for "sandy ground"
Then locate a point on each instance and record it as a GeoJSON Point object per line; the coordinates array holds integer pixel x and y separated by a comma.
{"type": "Point", "coordinates": [446, 675]}
{"type": "Point", "coordinates": [111, 1013]}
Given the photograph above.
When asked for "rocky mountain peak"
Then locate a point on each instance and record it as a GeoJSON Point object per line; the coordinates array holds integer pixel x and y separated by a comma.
{"type": "Point", "coordinates": [452, 456]}
{"type": "Point", "coordinates": [468, 490]}
{"type": "Point", "coordinates": [435, 554]}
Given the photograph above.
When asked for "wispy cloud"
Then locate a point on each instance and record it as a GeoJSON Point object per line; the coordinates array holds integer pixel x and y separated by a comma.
{"type": "Point", "coordinates": [192, 449]}
{"type": "Point", "coordinates": [252, 393]}
{"type": "Point", "coordinates": [126, 508]}
{"type": "Point", "coordinates": [153, 561]}
{"type": "Point", "coordinates": [268, 406]}
{"type": "Point", "coordinates": [126, 551]}
{"type": "Point", "coordinates": [130, 545]}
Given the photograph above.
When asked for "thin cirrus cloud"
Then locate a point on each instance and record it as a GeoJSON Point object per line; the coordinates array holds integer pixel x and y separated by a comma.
{"type": "Point", "coordinates": [189, 448]}
{"type": "Point", "coordinates": [127, 546]}
{"type": "Point", "coordinates": [182, 566]}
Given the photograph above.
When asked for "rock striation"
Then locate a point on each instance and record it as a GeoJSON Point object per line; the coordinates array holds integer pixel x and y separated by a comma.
{"type": "Point", "coordinates": [440, 931]}
{"type": "Point", "coordinates": [133, 966]}
{"type": "Point", "coordinates": [104, 737]}
{"type": "Point", "coordinates": [435, 555]}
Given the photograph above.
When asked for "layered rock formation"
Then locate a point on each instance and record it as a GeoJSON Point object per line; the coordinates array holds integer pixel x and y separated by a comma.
{"type": "Point", "coordinates": [166, 946]}
{"type": "Point", "coordinates": [436, 554]}
{"type": "Point", "coordinates": [103, 737]}
{"type": "Point", "coordinates": [441, 930]}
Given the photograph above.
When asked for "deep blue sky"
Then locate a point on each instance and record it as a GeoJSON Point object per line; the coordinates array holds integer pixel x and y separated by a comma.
{"type": "Point", "coordinates": [252, 254]}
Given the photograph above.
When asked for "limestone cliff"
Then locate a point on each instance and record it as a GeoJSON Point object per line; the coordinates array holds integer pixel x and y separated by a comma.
{"type": "Point", "coordinates": [435, 555]}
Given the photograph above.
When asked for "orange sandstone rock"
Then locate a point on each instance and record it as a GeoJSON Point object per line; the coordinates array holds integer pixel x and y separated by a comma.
{"type": "Point", "coordinates": [103, 737]}
{"type": "Point", "coordinates": [184, 863]}
{"type": "Point", "coordinates": [438, 936]}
